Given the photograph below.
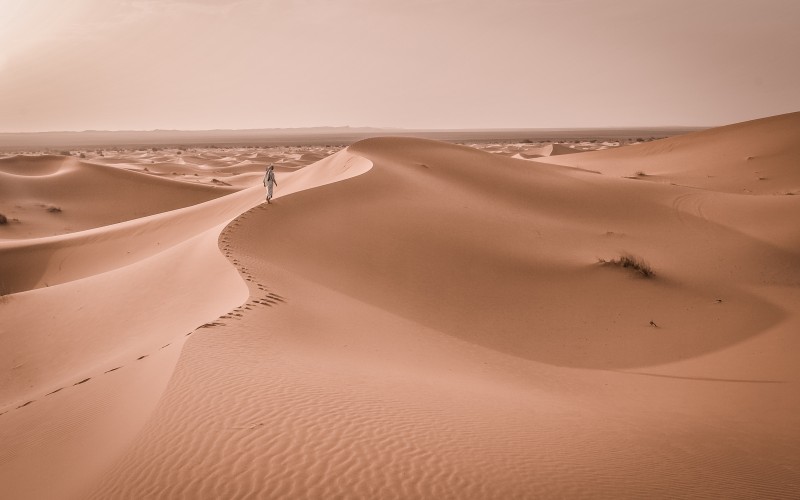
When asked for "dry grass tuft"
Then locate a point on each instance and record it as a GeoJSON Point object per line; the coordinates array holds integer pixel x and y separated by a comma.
{"type": "Point", "coordinates": [629, 261]}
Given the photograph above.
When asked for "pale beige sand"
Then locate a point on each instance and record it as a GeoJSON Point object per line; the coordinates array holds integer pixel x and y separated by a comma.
{"type": "Point", "coordinates": [546, 150]}
{"type": "Point", "coordinates": [87, 195]}
{"type": "Point", "coordinates": [422, 320]}
{"type": "Point", "coordinates": [753, 157]}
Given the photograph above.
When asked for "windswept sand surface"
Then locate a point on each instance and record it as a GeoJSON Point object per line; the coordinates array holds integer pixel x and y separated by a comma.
{"type": "Point", "coordinates": [408, 319]}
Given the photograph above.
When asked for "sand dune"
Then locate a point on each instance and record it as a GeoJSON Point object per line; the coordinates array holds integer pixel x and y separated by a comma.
{"type": "Point", "coordinates": [546, 150]}
{"type": "Point", "coordinates": [82, 195]}
{"type": "Point", "coordinates": [748, 158]}
{"type": "Point", "coordinates": [414, 319]}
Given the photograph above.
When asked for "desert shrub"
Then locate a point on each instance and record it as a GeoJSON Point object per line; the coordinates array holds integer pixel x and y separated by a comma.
{"type": "Point", "coordinates": [3, 219]}
{"type": "Point", "coordinates": [634, 263]}
{"type": "Point", "coordinates": [65, 153]}
{"type": "Point", "coordinates": [54, 209]}
{"type": "Point", "coordinates": [640, 173]}
{"type": "Point", "coordinates": [83, 155]}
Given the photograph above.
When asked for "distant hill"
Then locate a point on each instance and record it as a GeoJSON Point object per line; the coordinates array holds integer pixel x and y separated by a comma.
{"type": "Point", "coordinates": [90, 139]}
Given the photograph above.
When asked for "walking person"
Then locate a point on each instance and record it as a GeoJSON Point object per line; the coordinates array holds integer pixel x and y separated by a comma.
{"type": "Point", "coordinates": [269, 180]}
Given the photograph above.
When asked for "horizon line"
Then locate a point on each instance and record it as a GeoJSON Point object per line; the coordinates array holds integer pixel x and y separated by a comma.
{"type": "Point", "coordinates": [402, 129]}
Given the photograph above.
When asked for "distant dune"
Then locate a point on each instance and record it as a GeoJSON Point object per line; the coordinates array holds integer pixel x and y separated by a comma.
{"type": "Point", "coordinates": [547, 150]}
{"type": "Point", "coordinates": [749, 157]}
{"type": "Point", "coordinates": [92, 139]}
{"type": "Point", "coordinates": [408, 319]}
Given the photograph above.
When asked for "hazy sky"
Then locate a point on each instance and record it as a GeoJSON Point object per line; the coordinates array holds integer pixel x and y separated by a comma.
{"type": "Point", "coordinates": [202, 64]}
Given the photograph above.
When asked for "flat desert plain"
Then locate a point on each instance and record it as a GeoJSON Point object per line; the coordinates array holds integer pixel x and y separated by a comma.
{"type": "Point", "coordinates": [407, 319]}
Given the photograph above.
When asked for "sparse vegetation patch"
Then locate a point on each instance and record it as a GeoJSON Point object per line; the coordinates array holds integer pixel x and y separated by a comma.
{"type": "Point", "coordinates": [632, 262]}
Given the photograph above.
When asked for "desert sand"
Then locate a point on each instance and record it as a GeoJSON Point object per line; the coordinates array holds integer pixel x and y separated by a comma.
{"type": "Point", "coordinates": [408, 319]}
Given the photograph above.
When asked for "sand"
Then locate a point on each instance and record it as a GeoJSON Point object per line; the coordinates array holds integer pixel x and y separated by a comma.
{"type": "Point", "coordinates": [407, 319]}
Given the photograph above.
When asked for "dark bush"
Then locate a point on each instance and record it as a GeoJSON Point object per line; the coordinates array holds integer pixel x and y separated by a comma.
{"type": "Point", "coordinates": [629, 261]}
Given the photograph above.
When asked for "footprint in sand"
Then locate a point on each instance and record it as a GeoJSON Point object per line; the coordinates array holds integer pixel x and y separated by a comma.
{"type": "Point", "coordinates": [82, 381]}
{"type": "Point", "coordinates": [53, 392]}
{"type": "Point", "coordinates": [112, 370]}
{"type": "Point", "coordinates": [24, 405]}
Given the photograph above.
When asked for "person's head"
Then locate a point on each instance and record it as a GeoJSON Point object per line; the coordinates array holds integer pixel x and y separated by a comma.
{"type": "Point", "coordinates": [271, 166]}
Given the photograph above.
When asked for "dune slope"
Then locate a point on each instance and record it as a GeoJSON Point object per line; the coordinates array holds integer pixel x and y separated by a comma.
{"type": "Point", "coordinates": [747, 158]}
{"type": "Point", "coordinates": [52, 195]}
